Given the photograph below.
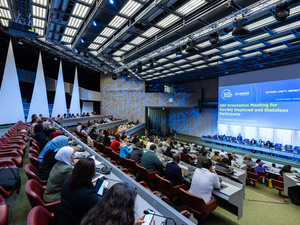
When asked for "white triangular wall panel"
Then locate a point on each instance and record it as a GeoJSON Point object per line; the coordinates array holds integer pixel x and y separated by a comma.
{"type": "Point", "coordinates": [11, 107]}
{"type": "Point", "coordinates": [59, 105]}
{"type": "Point", "coordinates": [39, 100]}
{"type": "Point", "coordinates": [75, 101]}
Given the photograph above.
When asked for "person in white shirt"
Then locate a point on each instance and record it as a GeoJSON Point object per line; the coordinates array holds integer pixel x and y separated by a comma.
{"type": "Point", "coordinates": [78, 128]}
{"type": "Point", "coordinates": [223, 154]}
{"type": "Point", "coordinates": [149, 143]}
{"type": "Point", "coordinates": [204, 181]}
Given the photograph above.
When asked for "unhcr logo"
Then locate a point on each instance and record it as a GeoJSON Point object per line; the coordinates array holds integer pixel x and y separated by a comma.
{"type": "Point", "coordinates": [226, 94]}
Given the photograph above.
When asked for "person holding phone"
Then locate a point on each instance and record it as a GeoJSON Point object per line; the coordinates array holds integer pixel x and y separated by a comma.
{"type": "Point", "coordinates": [78, 194]}
{"type": "Point", "coordinates": [117, 205]}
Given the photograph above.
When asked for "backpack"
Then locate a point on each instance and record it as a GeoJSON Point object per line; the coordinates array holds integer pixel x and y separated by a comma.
{"type": "Point", "coordinates": [10, 178]}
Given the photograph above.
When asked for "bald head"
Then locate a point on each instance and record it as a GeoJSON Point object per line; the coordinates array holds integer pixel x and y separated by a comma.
{"type": "Point", "coordinates": [175, 157]}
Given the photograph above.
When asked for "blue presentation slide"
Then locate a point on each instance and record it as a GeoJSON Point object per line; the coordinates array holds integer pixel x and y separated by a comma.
{"type": "Point", "coordinates": [274, 104]}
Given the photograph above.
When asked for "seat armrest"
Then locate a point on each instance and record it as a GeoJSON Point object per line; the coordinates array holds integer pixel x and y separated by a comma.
{"type": "Point", "coordinates": [52, 206]}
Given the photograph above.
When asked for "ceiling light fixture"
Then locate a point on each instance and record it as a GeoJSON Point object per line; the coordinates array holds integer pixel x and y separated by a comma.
{"type": "Point", "coordinates": [76, 50]}
{"type": "Point", "coordinates": [82, 40]}
{"type": "Point", "coordinates": [111, 2]}
{"type": "Point", "coordinates": [178, 52]}
{"type": "Point", "coordinates": [282, 12]}
{"type": "Point", "coordinates": [20, 42]}
{"type": "Point", "coordinates": [190, 47]}
{"type": "Point", "coordinates": [214, 38]}
{"type": "Point", "coordinates": [95, 23]}
{"type": "Point", "coordinates": [240, 31]}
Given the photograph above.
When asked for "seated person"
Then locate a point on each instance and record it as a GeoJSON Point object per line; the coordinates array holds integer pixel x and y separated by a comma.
{"type": "Point", "coordinates": [124, 149]}
{"type": "Point", "coordinates": [222, 154]}
{"type": "Point", "coordinates": [239, 138]}
{"type": "Point", "coordinates": [248, 162]}
{"type": "Point", "coordinates": [135, 139]}
{"type": "Point", "coordinates": [269, 144]}
{"type": "Point", "coordinates": [168, 152]}
{"type": "Point", "coordinates": [78, 194]}
{"type": "Point", "coordinates": [83, 130]}
{"type": "Point", "coordinates": [115, 144]}
{"type": "Point", "coordinates": [100, 136]}
{"type": "Point", "coordinates": [223, 167]}
{"type": "Point", "coordinates": [124, 135]}
{"type": "Point", "coordinates": [203, 155]}
{"type": "Point", "coordinates": [216, 157]}
{"type": "Point", "coordinates": [40, 135]}
{"type": "Point", "coordinates": [106, 139]}
{"type": "Point", "coordinates": [116, 207]}
{"type": "Point", "coordinates": [137, 152]}
{"type": "Point", "coordinates": [160, 148]}
{"type": "Point", "coordinates": [47, 156]}
{"type": "Point", "coordinates": [173, 172]}
{"type": "Point", "coordinates": [78, 128]}
{"type": "Point", "coordinates": [260, 143]}
{"type": "Point", "coordinates": [185, 156]}
{"type": "Point", "coordinates": [61, 171]}
{"type": "Point", "coordinates": [259, 168]}
{"type": "Point", "coordinates": [150, 142]}
{"type": "Point", "coordinates": [252, 142]}
{"type": "Point", "coordinates": [150, 160]}
{"type": "Point", "coordinates": [93, 134]}
{"type": "Point", "coordinates": [204, 181]}
{"type": "Point", "coordinates": [234, 156]}
{"type": "Point", "coordinates": [285, 169]}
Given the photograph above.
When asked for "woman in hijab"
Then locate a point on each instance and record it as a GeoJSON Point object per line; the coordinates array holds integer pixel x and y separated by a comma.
{"type": "Point", "coordinates": [47, 156]}
{"type": "Point", "coordinates": [61, 171]}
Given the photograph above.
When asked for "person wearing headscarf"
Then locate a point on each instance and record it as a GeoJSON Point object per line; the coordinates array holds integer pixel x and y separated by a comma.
{"type": "Point", "coordinates": [259, 168]}
{"type": "Point", "coordinates": [40, 135]}
{"type": "Point", "coordinates": [54, 134]}
{"type": "Point", "coordinates": [47, 156]}
{"type": "Point", "coordinates": [61, 171]}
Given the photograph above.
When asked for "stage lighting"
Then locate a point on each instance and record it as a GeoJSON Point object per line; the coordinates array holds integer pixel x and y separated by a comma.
{"type": "Point", "coordinates": [190, 47]}
{"type": "Point", "coordinates": [20, 42]}
{"type": "Point", "coordinates": [76, 50]}
{"type": "Point", "coordinates": [240, 31]}
{"type": "Point", "coordinates": [139, 67]}
{"type": "Point", "coordinates": [114, 76]}
{"type": "Point", "coordinates": [95, 23]}
{"type": "Point", "coordinates": [178, 52]}
{"type": "Point", "coordinates": [282, 12]}
{"type": "Point", "coordinates": [124, 73]}
{"type": "Point", "coordinates": [111, 2]}
{"type": "Point", "coordinates": [214, 38]}
{"type": "Point", "coordinates": [82, 40]}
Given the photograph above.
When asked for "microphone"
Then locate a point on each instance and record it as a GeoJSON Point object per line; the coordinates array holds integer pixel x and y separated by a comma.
{"type": "Point", "coordinates": [106, 178]}
{"type": "Point", "coordinates": [167, 218]}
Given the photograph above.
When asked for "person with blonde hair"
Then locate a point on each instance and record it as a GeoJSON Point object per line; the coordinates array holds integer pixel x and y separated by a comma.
{"type": "Point", "coordinates": [124, 149]}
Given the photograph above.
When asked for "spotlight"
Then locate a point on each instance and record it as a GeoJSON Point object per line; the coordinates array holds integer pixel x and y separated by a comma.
{"type": "Point", "coordinates": [111, 2]}
{"type": "Point", "coordinates": [214, 38]}
{"type": "Point", "coordinates": [124, 73]}
{"type": "Point", "coordinates": [20, 42]}
{"type": "Point", "coordinates": [95, 23]}
{"type": "Point", "coordinates": [114, 76]}
{"type": "Point", "coordinates": [82, 40]}
{"type": "Point", "coordinates": [151, 63]}
{"type": "Point", "coordinates": [139, 67]}
{"type": "Point", "coordinates": [190, 47]}
{"type": "Point", "coordinates": [178, 52]}
{"type": "Point", "coordinates": [282, 12]}
{"type": "Point", "coordinates": [55, 59]}
{"type": "Point", "coordinates": [76, 50]}
{"type": "Point", "coordinates": [240, 31]}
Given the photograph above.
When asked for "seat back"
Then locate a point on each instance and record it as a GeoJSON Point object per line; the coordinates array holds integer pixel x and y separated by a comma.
{"type": "Point", "coordinates": [261, 173]}
{"type": "Point", "coordinates": [34, 160]}
{"type": "Point", "coordinates": [252, 176]}
{"type": "Point", "coordinates": [278, 184]}
{"type": "Point", "coordinates": [165, 186]}
{"type": "Point", "coordinates": [34, 191]}
{"type": "Point", "coordinates": [195, 204]}
{"type": "Point", "coordinates": [280, 178]}
{"type": "Point", "coordinates": [30, 171]}
{"type": "Point", "coordinates": [7, 162]}
{"type": "Point", "coordinates": [39, 215]}
{"type": "Point", "coordinates": [142, 171]}
{"type": "Point", "coordinates": [130, 164]}
{"type": "Point", "coordinates": [3, 211]}
{"type": "Point", "coordinates": [34, 151]}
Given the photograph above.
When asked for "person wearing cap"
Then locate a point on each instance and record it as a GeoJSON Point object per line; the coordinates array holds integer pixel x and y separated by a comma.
{"type": "Point", "coordinates": [124, 149]}
{"type": "Point", "coordinates": [137, 152]}
{"type": "Point", "coordinates": [259, 168]}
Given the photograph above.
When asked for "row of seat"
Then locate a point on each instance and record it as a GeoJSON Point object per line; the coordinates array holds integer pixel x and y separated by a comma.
{"type": "Point", "coordinates": [12, 150]}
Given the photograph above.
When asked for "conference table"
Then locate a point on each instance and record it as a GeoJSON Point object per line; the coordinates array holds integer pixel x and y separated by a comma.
{"type": "Point", "coordinates": [74, 121]}
{"type": "Point", "coordinates": [229, 197]}
{"type": "Point", "coordinates": [105, 126]}
{"type": "Point", "coordinates": [144, 200]}
{"type": "Point", "coordinates": [251, 147]}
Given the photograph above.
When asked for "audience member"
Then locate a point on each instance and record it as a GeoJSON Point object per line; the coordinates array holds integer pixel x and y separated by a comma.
{"type": "Point", "coordinates": [160, 148]}
{"type": "Point", "coordinates": [150, 160]}
{"type": "Point", "coordinates": [78, 194]}
{"type": "Point", "coordinates": [252, 142]}
{"type": "Point", "coordinates": [115, 144]}
{"type": "Point", "coordinates": [223, 168]}
{"type": "Point", "coordinates": [173, 172]}
{"type": "Point", "coordinates": [204, 181]}
{"type": "Point", "coordinates": [47, 156]}
{"type": "Point", "coordinates": [54, 135]}
{"type": "Point", "coordinates": [106, 139]}
{"type": "Point", "coordinates": [78, 128]}
{"type": "Point", "coordinates": [116, 207]}
{"type": "Point", "coordinates": [222, 154]}
{"type": "Point", "coordinates": [137, 152]}
{"type": "Point", "coordinates": [248, 162]}
{"type": "Point", "coordinates": [285, 169]}
{"type": "Point", "coordinates": [124, 135]}
{"type": "Point", "coordinates": [61, 171]}
{"type": "Point", "coordinates": [135, 139]}
{"type": "Point", "coordinates": [100, 136]}
{"type": "Point", "coordinates": [83, 130]}
{"type": "Point", "coordinates": [201, 157]}
{"type": "Point", "coordinates": [185, 156]}
{"type": "Point", "coordinates": [168, 152]}
{"type": "Point", "coordinates": [150, 142]}
{"type": "Point", "coordinates": [234, 155]}
{"type": "Point", "coordinates": [239, 138]}
{"type": "Point", "coordinates": [40, 135]}
{"type": "Point", "coordinates": [124, 149]}
{"type": "Point", "coordinates": [93, 134]}
{"type": "Point", "coordinates": [216, 157]}
{"type": "Point", "coordinates": [259, 168]}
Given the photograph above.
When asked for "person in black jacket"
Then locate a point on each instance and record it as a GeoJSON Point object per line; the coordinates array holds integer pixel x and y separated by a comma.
{"type": "Point", "coordinates": [135, 139]}
{"type": "Point", "coordinates": [173, 172]}
{"type": "Point", "coordinates": [78, 194]}
{"type": "Point", "coordinates": [106, 139]}
{"type": "Point", "coordinates": [137, 152]}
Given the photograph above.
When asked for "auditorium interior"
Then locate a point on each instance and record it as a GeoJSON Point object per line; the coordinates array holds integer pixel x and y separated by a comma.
{"type": "Point", "coordinates": [193, 76]}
